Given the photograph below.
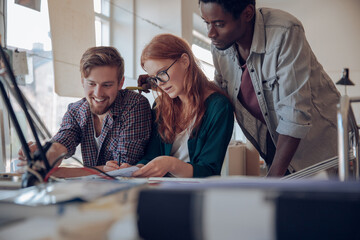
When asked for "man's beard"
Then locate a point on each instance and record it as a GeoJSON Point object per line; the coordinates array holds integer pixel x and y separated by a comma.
{"type": "Point", "coordinates": [99, 111]}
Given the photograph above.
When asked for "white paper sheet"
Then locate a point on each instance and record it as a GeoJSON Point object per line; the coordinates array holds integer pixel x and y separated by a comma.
{"type": "Point", "coordinates": [123, 172]}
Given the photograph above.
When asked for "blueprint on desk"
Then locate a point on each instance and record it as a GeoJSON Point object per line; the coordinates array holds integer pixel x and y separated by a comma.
{"type": "Point", "coordinates": [123, 172]}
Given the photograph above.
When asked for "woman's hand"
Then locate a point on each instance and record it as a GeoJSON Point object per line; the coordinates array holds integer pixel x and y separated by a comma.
{"type": "Point", "coordinates": [158, 167]}
{"type": "Point", "coordinates": [142, 82]}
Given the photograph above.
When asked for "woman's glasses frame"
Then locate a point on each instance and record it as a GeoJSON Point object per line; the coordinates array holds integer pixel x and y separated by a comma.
{"type": "Point", "coordinates": [161, 76]}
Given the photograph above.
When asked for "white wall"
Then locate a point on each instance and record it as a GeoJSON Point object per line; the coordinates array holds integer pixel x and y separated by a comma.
{"type": "Point", "coordinates": [122, 33]}
{"type": "Point", "coordinates": [68, 19]}
{"type": "Point", "coordinates": [163, 17]}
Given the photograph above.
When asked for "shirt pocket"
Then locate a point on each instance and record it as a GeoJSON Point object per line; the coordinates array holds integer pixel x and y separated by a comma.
{"type": "Point", "coordinates": [271, 91]}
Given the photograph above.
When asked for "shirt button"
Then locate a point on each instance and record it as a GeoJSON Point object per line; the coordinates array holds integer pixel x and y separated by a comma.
{"type": "Point", "coordinates": [252, 70]}
{"type": "Point", "coordinates": [266, 114]}
{"type": "Point", "coordinates": [258, 93]}
{"type": "Point", "coordinates": [236, 89]}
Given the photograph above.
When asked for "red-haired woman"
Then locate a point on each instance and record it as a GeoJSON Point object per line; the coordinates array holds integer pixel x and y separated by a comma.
{"type": "Point", "coordinates": [193, 119]}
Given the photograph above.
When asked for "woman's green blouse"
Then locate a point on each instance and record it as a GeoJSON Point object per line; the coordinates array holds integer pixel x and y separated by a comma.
{"type": "Point", "coordinates": [207, 147]}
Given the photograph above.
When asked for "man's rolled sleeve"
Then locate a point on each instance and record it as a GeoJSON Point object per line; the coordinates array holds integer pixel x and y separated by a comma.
{"type": "Point", "coordinates": [69, 133]}
{"type": "Point", "coordinates": [294, 105]}
{"type": "Point", "coordinates": [292, 129]}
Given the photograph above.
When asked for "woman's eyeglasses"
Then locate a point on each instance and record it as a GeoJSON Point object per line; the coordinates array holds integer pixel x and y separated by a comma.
{"type": "Point", "coordinates": [161, 77]}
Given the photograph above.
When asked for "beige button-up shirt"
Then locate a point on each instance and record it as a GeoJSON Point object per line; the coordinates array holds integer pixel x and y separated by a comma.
{"type": "Point", "coordinates": [296, 96]}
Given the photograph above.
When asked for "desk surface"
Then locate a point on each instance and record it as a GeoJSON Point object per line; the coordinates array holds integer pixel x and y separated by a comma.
{"type": "Point", "coordinates": [79, 220]}
{"type": "Point", "coordinates": [114, 215]}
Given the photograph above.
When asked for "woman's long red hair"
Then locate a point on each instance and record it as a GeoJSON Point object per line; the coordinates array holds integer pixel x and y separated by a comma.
{"type": "Point", "coordinates": [170, 117]}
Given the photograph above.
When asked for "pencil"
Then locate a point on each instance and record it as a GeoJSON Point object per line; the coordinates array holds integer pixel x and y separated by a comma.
{"type": "Point", "coordinates": [134, 88]}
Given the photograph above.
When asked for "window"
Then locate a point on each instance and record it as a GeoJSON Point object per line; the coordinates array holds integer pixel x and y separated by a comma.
{"type": "Point", "coordinates": [31, 34]}
{"type": "Point", "coordinates": [205, 58]}
{"type": "Point", "coordinates": [102, 22]}
{"type": "Point", "coordinates": [201, 49]}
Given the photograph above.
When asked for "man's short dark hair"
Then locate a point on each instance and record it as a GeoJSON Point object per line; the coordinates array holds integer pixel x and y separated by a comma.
{"type": "Point", "coordinates": [234, 7]}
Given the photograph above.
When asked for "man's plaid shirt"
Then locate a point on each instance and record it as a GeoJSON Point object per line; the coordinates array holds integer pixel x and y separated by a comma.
{"type": "Point", "coordinates": [124, 135]}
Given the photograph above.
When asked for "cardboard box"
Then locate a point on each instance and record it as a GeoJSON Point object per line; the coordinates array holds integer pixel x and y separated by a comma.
{"type": "Point", "coordinates": [237, 158]}
{"type": "Point", "coordinates": [241, 159]}
{"type": "Point", "coordinates": [252, 160]}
